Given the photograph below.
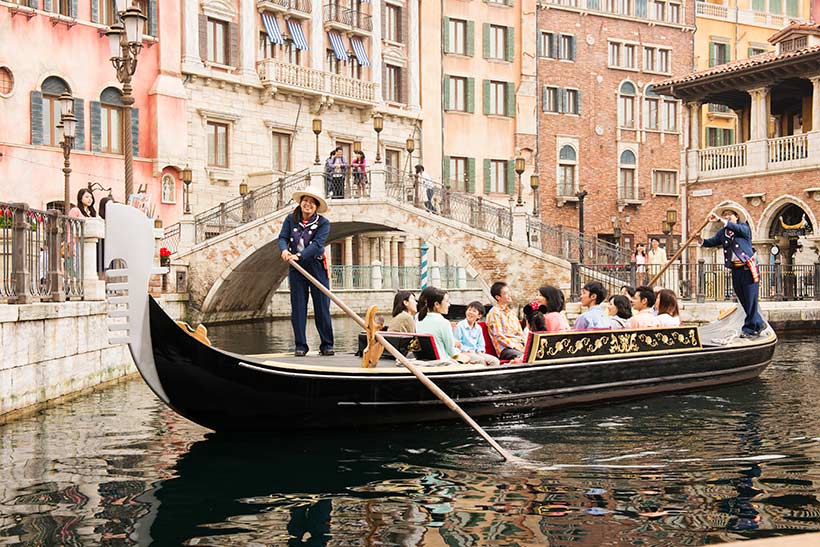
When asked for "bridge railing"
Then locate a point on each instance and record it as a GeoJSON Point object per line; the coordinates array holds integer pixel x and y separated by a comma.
{"type": "Point", "coordinates": [474, 211]}
{"type": "Point", "coordinates": [398, 277]}
{"type": "Point", "coordinates": [41, 255]}
{"type": "Point", "coordinates": [569, 244]}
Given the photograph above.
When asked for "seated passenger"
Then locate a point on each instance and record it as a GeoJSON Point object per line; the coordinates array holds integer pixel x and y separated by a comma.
{"type": "Point", "coordinates": [553, 299]}
{"type": "Point", "coordinates": [620, 311]}
{"type": "Point", "coordinates": [592, 296]}
{"type": "Point", "coordinates": [503, 326]}
{"type": "Point", "coordinates": [433, 304]}
{"type": "Point", "coordinates": [404, 308]}
{"type": "Point", "coordinates": [469, 334]}
{"type": "Point", "coordinates": [643, 303]}
{"type": "Point", "coordinates": [534, 318]}
{"type": "Point", "coordinates": [668, 315]}
{"type": "Point", "coordinates": [628, 291]}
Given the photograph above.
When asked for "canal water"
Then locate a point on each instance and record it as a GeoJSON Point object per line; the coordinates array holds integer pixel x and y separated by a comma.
{"type": "Point", "coordinates": [117, 468]}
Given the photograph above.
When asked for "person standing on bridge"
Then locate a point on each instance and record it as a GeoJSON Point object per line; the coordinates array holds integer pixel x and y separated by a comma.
{"type": "Point", "coordinates": [303, 238]}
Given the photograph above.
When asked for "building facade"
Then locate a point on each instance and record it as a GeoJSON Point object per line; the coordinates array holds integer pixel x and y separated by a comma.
{"type": "Point", "coordinates": [70, 53]}
{"type": "Point", "coordinates": [602, 127]}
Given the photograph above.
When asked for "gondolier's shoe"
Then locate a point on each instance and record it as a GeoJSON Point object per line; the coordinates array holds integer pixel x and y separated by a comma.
{"type": "Point", "coordinates": [299, 353]}
{"type": "Point", "coordinates": [327, 352]}
{"type": "Point", "coordinates": [750, 334]}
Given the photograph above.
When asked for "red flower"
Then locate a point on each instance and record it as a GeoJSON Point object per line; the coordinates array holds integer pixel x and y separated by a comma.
{"type": "Point", "coordinates": [164, 252]}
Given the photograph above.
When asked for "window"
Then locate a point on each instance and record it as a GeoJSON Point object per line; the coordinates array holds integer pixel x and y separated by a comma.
{"type": "Point", "coordinates": [498, 176]}
{"type": "Point", "coordinates": [392, 159]}
{"type": "Point", "coordinates": [629, 56]}
{"type": "Point", "coordinates": [63, 7]}
{"type": "Point", "coordinates": [658, 12]}
{"type": "Point", "coordinates": [571, 101]}
{"type": "Point", "coordinates": [548, 45]}
{"type": "Point", "coordinates": [108, 12]}
{"type": "Point", "coordinates": [267, 49]}
{"type": "Point", "coordinates": [649, 58]}
{"type": "Point", "coordinates": [217, 144]}
{"type": "Point", "coordinates": [392, 84]}
{"type": "Point", "coordinates": [392, 22]}
{"type": "Point", "coordinates": [756, 51]}
{"type": "Point", "coordinates": [51, 89]}
{"type": "Point", "coordinates": [354, 69]}
{"type": "Point", "coordinates": [670, 115]}
{"type": "Point", "coordinates": [567, 163]}
{"type": "Point", "coordinates": [498, 42]}
{"type": "Point", "coordinates": [718, 108]}
{"type": "Point", "coordinates": [627, 187]}
{"type": "Point", "coordinates": [792, 9]}
{"type": "Point", "coordinates": [656, 59]}
{"type": "Point", "coordinates": [550, 99]}
{"type": "Point", "coordinates": [614, 54]}
{"type": "Point", "coordinates": [281, 152]}
{"type": "Point", "coordinates": [498, 98]}
{"type": "Point", "coordinates": [217, 41]}
{"type": "Point", "coordinates": [333, 64]}
{"type": "Point", "coordinates": [567, 47]}
{"type": "Point", "coordinates": [665, 182]}
{"type": "Point", "coordinates": [457, 30]}
{"type": "Point", "coordinates": [290, 53]}
{"type": "Point", "coordinates": [458, 174]}
{"type": "Point", "coordinates": [169, 190]}
{"type": "Point", "coordinates": [718, 53]}
{"type": "Point", "coordinates": [624, 7]}
{"type": "Point", "coordinates": [458, 94]}
{"type": "Point", "coordinates": [622, 55]}
{"type": "Point", "coordinates": [674, 13]}
{"type": "Point", "coordinates": [110, 129]}
{"type": "Point", "coordinates": [718, 136]}
{"type": "Point", "coordinates": [650, 114]}
{"type": "Point", "coordinates": [6, 81]}
{"type": "Point", "coordinates": [759, 5]}
{"type": "Point", "coordinates": [626, 105]}
{"type": "Point", "coordinates": [664, 61]}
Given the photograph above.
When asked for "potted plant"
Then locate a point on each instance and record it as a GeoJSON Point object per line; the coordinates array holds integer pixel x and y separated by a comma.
{"type": "Point", "coordinates": [164, 257]}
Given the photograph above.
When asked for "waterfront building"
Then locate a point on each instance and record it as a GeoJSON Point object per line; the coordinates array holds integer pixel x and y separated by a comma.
{"type": "Point", "coordinates": [769, 175]}
{"type": "Point", "coordinates": [602, 127]}
{"type": "Point", "coordinates": [731, 31]}
{"type": "Point", "coordinates": [51, 47]}
{"type": "Point", "coordinates": [479, 94]}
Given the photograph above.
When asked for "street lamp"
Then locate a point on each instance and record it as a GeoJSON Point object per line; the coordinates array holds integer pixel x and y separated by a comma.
{"type": "Point", "coordinates": [669, 224]}
{"type": "Point", "coordinates": [534, 183]}
{"type": "Point", "coordinates": [378, 125]}
{"type": "Point", "coordinates": [66, 131]}
{"type": "Point", "coordinates": [410, 146]}
{"type": "Point", "coordinates": [187, 177]}
{"type": "Point", "coordinates": [317, 129]}
{"type": "Point", "coordinates": [519, 168]}
{"type": "Point", "coordinates": [616, 229]}
{"type": "Point", "coordinates": [125, 43]}
{"type": "Point", "coordinates": [581, 195]}
{"type": "Point", "coordinates": [243, 189]}
{"type": "Point", "coordinates": [357, 147]}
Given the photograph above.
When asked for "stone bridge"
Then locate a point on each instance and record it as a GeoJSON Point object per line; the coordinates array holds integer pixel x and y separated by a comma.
{"type": "Point", "coordinates": [232, 275]}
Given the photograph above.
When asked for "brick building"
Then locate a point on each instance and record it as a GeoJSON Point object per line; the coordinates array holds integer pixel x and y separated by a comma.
{"type": "Point", "coordinates": [770, 175]}
{"type": "Point", "coordinates": [602, 128]}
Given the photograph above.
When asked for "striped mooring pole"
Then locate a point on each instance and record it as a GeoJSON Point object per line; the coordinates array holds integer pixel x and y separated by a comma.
{"type": "Point", "coordinates": [424, 275]}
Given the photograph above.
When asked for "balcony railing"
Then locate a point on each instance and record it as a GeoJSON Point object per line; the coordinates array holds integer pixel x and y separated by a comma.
{"type": "Point", "coordinates": [722, 157]}
{"type": "Point", "coordinates": [361, 21]}
{"type": "Point", "coordinates": [301, 6]}
{"type": "Point", "coordinates": [337, 14]}
{"type": "Point", "coordinates": [277, 73]}
{"type": "Point", "coordinates": [790, 148]}
{"type": "Point", "coordinates": [627, 194]}
{"type": "Point", "coordinates": [398, 277]}
{"type": "Point", "coordinates": [619, 9]}
{"type": "Point", "coordinates": [744, 16]}
{"type": "Point", "coordinates": [713, 10]}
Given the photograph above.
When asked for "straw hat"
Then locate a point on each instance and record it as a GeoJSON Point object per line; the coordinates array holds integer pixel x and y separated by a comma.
{"type": "Point", "coordinates": [313, 193]}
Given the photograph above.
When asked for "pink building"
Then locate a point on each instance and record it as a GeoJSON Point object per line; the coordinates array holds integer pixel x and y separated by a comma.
{"type": "Point", "coordinates": [52, 46]}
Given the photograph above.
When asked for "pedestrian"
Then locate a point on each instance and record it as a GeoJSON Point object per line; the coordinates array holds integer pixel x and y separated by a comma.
{"type": "Point", "coordinates": [738, 256]}
{"type": "Point", "coordinates": [85, 205]}
{"type": "Point", "coordinates": [359, 169]}
{"type": "Point", "coordinates": [336, 171]}
{"type": "Point", "coordinates": [427, 187]}
{"type": "Point", "coordinates": [640, 261]}
{"type": "Point", "coordinates": [302, 239]}
{"type": "Point", "coordinates": [655, 257]}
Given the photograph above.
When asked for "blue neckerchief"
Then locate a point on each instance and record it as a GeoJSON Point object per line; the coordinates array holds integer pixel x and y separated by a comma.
{"type": "Point", "coordinates": [303, 234]}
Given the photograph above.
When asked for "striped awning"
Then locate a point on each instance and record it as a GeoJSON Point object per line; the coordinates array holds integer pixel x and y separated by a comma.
{"type": "Point", "coordinates": [297, 35]}
{"type": "Point", "coordinates": [272, 29]}
{"type": "Point", "coordinates": [359, 51]}
{"type": "Point", "coordinates": [337, 45]}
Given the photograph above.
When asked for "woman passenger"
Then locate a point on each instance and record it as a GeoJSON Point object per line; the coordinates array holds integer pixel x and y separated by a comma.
{"type": "Point", "coordinates": [620, 311]}
{"type": "Point", "coordinates": [553, 299]}
{"type": "Point", "coordinates": [668, 315]}
{"type": "Point", "coordinates": [404, 308]}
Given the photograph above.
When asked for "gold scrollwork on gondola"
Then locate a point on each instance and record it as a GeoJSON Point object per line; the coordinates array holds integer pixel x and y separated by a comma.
{"type": "Point", "coordinates": [585, 344]}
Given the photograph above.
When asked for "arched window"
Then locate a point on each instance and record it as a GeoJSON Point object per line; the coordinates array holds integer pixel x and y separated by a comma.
{"type": "Point", "coordinates": [627, 182]}
{"type": "Point", "coordinates": [169, 189]}
{"type": "Point", "coordinates": [567, 170]}
{"type": "Point", "coordinates": [626, 105]}
{"type": "Point", "coordinates": [651, 108]}
{"type": "Point", "coordinates": [111, 109]}
{"type": "Point", "coordinates": [51, 89]}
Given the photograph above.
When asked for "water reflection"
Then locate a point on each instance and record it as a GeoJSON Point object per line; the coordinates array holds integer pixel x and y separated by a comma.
{"type": "Point", "coordinates": [117, 468]}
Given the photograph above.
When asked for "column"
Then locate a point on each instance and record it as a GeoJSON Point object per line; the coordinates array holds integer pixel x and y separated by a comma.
{"type": "Point", "coordinates": [759, 129]}
{"type": "Point", "coordinates": [413, 52]}
{"type": "Point", "coordinates": [694, 124]}
{"type": "Point", "coordinates": [374, 250]}
{"type": "Point", "coordinates": [249, 40]}
{"type": "Point", "coordinates": [190, 55]}
{"type": "Point", "coordinates": [815, 103]}
{"type": "Point", "coordinates": [364, 245]}
{"type": "Point", "coordinates": [394, 261]}
{"type": "Point", "coordinates": [348, 262]}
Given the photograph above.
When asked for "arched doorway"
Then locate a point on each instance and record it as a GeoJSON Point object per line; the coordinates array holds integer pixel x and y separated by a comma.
{"type": "Point", "coordinates": [789, 228]}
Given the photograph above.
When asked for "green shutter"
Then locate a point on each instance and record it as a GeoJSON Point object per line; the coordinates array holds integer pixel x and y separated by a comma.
{"type": "Point", "coordinates": [562, 100]}
{"type": "Point", "coordinates": [152, 18]}
{"type": "Point", "coordinates": [509, 39]}
{"type": "Point", "coordinates": [469, 47]}
{"type": "Point", "coordinates": [572, 48]}
{"type": "Point", "coordinates": [544, 99]}
{"type": "Point", "coordinates": [510, 182]}
{"type": "Point", "coordinates": [471, 175]}
{"type": "Point", "coordinates": [711, 54]}
{"type": "Point", "coordinates": [486, 97]}
{"type": "Point", "coordinates": [487, 187]}
{"type": "Point", "coordinates": [730, 136]}
{"type": "Point", "coordinates": [578, 97]}
{"type": "Point", "coordinates": [509, 95]}
{"type": "Point", "coordinates": [445, 169]}
{"type": "Point", "coordinates": [79, 131]}
{"type": "Point", "coordinates": [96, 124]}
{"type": "Point", "coordinates": [470, 102]}
{"type": "Point", "coordinates": [446, 93]}
{"type": "Point", "coordinates": [554, 53]}
{"type": "Point", "coordinates": [486, 40]}
{"type": "Point", "coordinates": [36, 118]}
{"type": "Point", "coordinates": [95, 11]}
{"type": "Point", "coordinates": [445, 34]}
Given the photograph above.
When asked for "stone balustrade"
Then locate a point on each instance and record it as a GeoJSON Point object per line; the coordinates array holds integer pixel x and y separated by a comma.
{"type": "Point", "coordinates": [277, 74]}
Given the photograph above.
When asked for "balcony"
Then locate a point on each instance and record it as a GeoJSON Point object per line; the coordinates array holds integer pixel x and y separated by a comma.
{"type": "Point", "coordinates": [755, 157]}
{"type": "Point", "coordinates": [277, 75]}
{"type": "Point", "coordinates": [296, 8]}
{"type": "Point", "coordinates": [347, 20]}
{"type": "Point", "coordinates": [775, 21]}
{"type": "Point", "coordinates": [630, 195]}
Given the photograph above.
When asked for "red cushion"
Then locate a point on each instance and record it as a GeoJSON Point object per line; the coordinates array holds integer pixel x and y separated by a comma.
{"type": "Point", "coordinates": [489, 348]}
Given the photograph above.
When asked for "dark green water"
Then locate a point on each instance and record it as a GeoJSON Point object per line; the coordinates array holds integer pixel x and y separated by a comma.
{"type": "Point", "coordinates": [118, 468]}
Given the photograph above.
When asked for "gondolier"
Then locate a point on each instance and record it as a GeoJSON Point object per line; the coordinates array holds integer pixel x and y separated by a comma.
{"type": "Point", "coordinates": [738, 256]}
{"type": "Point", "coordinates": [302, 238]}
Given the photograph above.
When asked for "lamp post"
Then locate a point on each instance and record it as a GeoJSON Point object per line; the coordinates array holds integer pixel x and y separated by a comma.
{"type": "Point", "coordinates": [669, 225]}
{"type": "Point", "coordinates": [66, 133]}
{"type": "Point", "coordinates": [187, 177]}
{"type": "Point", "coordinates": [410, 146]}
{"type": "Point", "coordinates": [534, 184]}
{"type": "Point", "coordinates": [317, 129]}
{"type": "Point", "coordinates": [378, 125]}
{"type": "Point", "coordinates": [581, 195]}
{"type": "Point", "coordinates": [125, 43]}
{"type": "Point", "coordinates": [519, 168]}
{"type": "Point", "coordinates": [357, 147]}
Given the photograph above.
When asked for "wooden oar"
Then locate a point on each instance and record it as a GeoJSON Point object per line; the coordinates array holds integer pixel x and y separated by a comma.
{"type": "Point", "coordinates": [677, 254]}
{"type": "Point", "coordinates": [410, 366]}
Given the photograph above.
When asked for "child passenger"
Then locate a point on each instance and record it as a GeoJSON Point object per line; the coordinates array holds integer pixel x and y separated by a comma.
{"type": "Point", "coordinates": [469, 333]}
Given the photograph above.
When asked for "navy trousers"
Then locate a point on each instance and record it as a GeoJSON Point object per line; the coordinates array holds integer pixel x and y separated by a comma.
{"type": "Point", "coordinates": [746, 291]}
{"type": "Point", "coordinates": [299, 290]}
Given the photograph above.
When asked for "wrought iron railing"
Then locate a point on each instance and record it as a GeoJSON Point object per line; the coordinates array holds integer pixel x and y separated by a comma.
{"type": "Point", "coordinates": [567, 243]}
{"type": "Point", "coordinates": [170, 238]}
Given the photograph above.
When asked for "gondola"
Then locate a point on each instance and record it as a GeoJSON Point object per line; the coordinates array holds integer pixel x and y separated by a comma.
{"type": "Point", "coordinates": [226, 391]}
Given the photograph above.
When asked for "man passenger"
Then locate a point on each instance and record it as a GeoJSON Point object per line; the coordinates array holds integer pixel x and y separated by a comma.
{"type": "Point", "coordinates": [593, 294]}
{"type": "Point", "coordinates": [644, 303]}
{"type": "Point", "coordinates": [503, 325]}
